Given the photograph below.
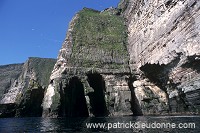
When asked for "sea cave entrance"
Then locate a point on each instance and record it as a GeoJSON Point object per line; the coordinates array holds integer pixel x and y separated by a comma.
{"type": "Point", "coordinates": [75, 102]}
{"type": "Point", "coordinates": [97, 97]}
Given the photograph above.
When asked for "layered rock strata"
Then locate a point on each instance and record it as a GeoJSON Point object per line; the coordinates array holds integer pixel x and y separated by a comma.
{"type": "Point", "coordinates": [164, 48]}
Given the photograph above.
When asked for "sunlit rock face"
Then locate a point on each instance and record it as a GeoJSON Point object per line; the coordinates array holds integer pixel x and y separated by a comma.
{"type": "Point", "coordinates": [164, 47]}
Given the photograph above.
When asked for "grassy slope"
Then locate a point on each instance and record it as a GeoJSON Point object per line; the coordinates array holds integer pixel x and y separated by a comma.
{"type": "Point", "coordinates": [102, 30]}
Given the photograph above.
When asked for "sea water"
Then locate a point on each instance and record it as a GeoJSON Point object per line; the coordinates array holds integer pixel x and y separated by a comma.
{"type": "Point", "coordinates": [126, 124]}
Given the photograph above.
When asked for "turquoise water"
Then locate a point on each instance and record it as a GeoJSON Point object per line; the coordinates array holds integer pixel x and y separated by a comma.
{"type": "Point", "coordinates": [162, 124]}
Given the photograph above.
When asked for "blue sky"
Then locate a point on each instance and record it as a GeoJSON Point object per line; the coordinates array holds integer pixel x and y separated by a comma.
{"type": "Point", "coordinates": [37, 28]}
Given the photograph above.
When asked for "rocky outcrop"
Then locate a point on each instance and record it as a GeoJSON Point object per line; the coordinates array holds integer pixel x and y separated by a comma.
{"type": "Point", "coordinates": [91, 75]}
{"type": "Point", "coordinates": [93, 71]}
{"type": "Point", "coordinates": [26, 92]}
{"type": "Point", "coordinates": [164, 48]}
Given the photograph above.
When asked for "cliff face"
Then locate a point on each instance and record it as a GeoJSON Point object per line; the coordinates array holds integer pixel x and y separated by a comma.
{"type": "Point", "coordinates": [8, 75]}
{"type": "Point", "coordinates": [164, 48]}
{"type": "Point", "coordinates": [162, 54]}
{"type": "Point", "coordinates": [26, 91]}
{"type": "Point", "coordinates": [140, 58]}
{"type": "Point", "coordinates": [91, 75]}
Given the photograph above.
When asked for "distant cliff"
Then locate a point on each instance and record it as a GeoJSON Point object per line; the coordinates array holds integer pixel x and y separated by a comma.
{"type": "Point", "coordinates": [25, 90]}
{"type": "Point", "coordinates": [8, 74]}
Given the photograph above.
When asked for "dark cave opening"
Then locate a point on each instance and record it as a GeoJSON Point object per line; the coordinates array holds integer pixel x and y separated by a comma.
{"type": "Point", "coordinates": [159, 74]}
{"type": "Point", "coordinates": [97, 98]}
{"type": "Point", "coordinates": [30, 105]}
{"type": "Point", "coordinates": [75, 102]}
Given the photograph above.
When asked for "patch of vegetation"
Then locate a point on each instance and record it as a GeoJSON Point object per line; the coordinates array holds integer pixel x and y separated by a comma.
{"type": "Point", "coordinates": [43, 68]}
{"type": "Point", "coordinates": [97, 64]}
{"type": "Point", "coordinates": [102, 30]}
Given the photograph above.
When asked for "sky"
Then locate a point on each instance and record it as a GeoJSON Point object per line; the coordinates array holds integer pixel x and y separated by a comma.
{"type": "Point", "coordinates": [37, 28]}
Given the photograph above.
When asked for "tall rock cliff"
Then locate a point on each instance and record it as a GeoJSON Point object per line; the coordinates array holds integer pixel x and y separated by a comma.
{"type": "Point", "coordinates": [25, 91]}
{"type": "Point", "coordinates": [91, 76]}
{"type": "Point", "coordinates": [164, 49]}
{"type": "Point", "coordinates": [139, 58]}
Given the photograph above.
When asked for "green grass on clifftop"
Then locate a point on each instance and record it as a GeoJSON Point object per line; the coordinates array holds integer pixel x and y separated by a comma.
{"type": "Point", "coordinates": [104, 30]}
